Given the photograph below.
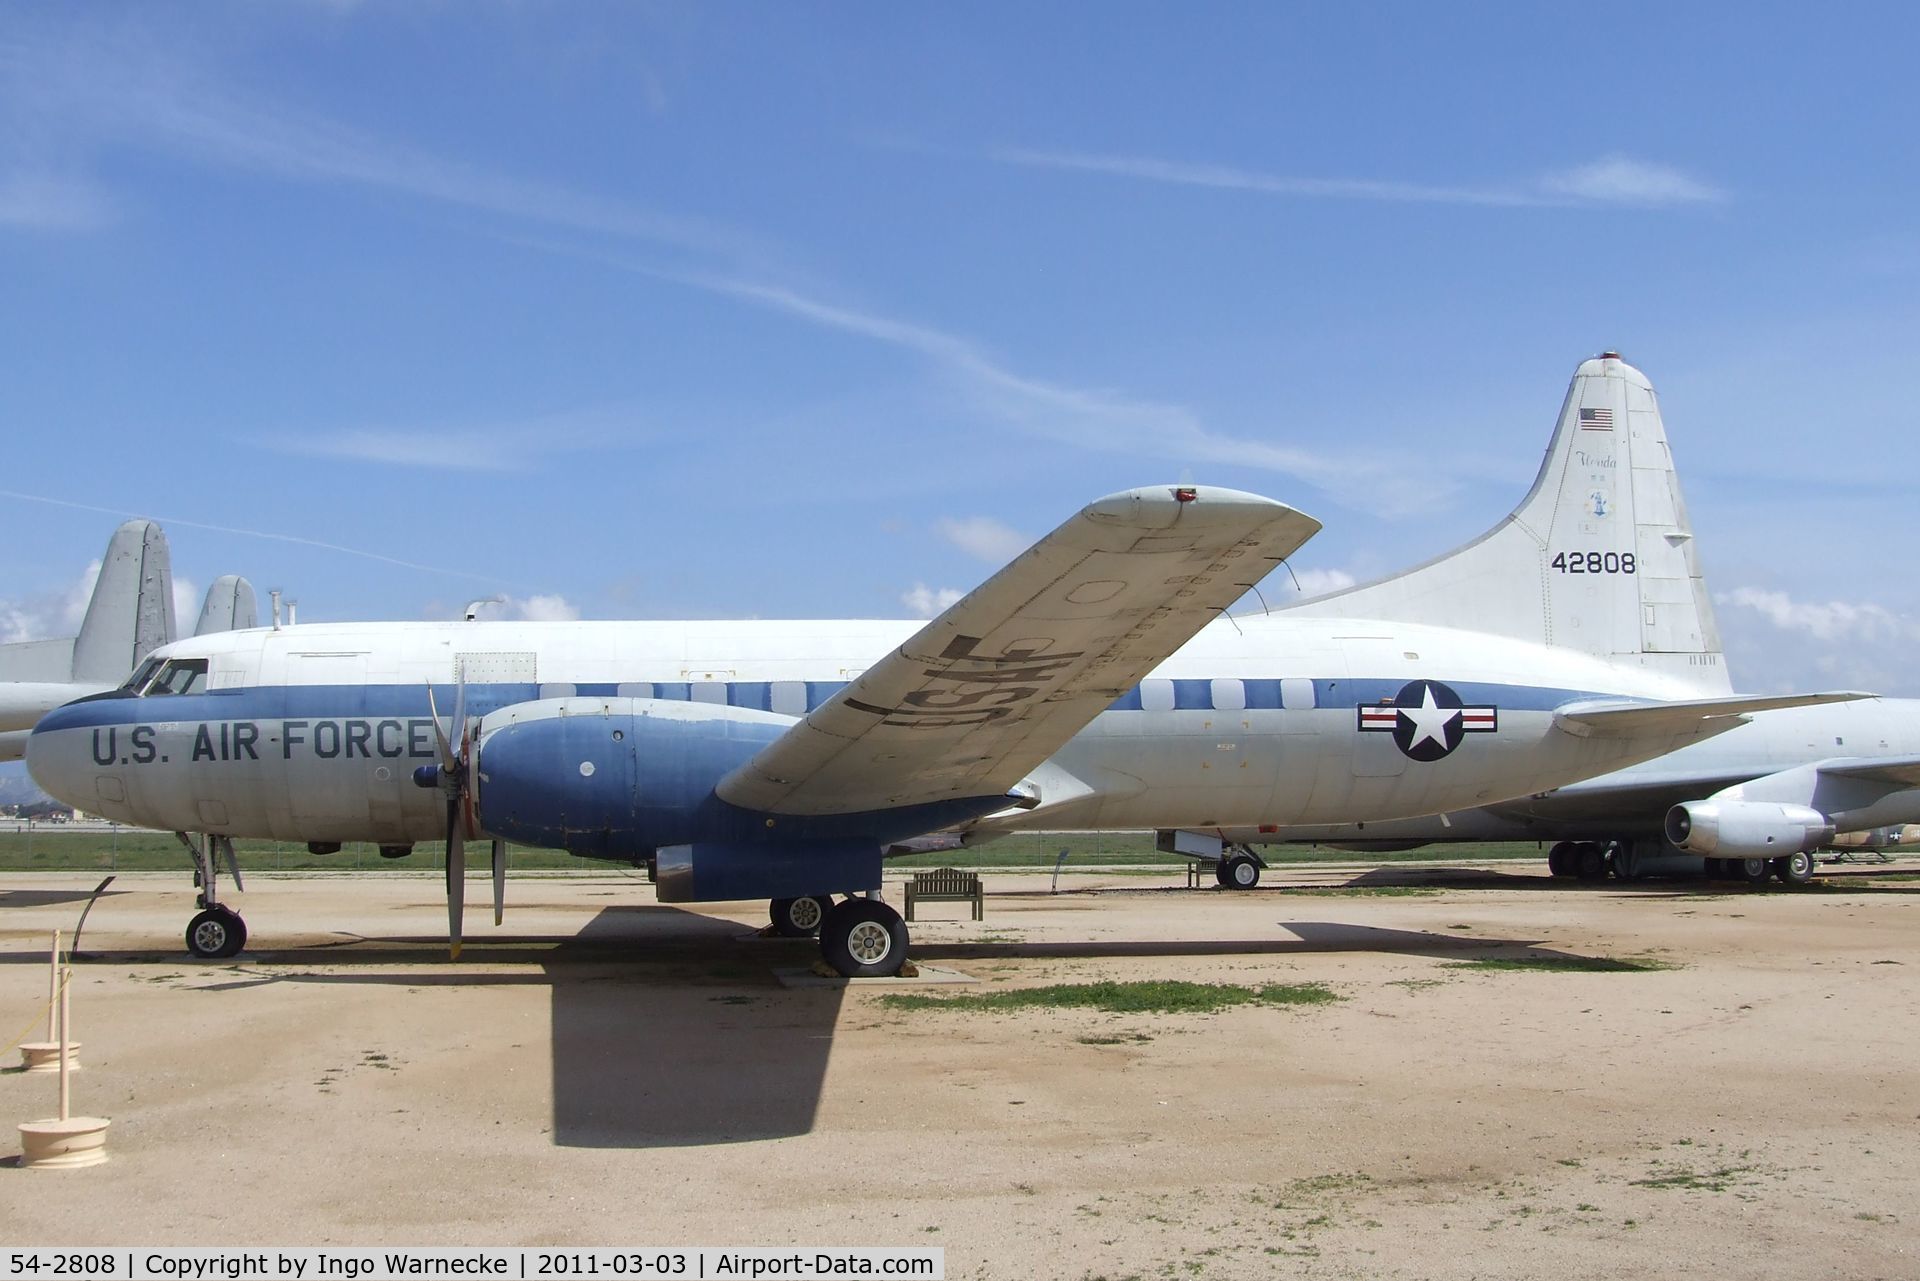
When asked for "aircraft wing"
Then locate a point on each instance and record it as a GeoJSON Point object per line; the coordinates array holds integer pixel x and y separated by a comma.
{"type": "Point", "coordinates": [982, 695]}
{"type": "Point", "coordinates": [1626, 718]}
{"type": "Point", "coordinates": [1895, 771]}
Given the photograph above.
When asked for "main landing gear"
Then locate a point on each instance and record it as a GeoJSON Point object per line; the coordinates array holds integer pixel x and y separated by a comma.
{"type": "Point", "coordinates": [217, 932]}
{"type": "Point", "coordinates": [1239, 870]}
{"type": "Point", "coordinates": [863, 938]}
{"type": "Point", "coordinates": [798, 918]}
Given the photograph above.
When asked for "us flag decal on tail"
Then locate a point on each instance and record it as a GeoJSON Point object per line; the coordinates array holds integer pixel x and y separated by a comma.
{"type": "Point", "coordinates": [1596, 420]}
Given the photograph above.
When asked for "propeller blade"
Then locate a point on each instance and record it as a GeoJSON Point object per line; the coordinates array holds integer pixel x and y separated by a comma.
{"type": "Point", "coordinates": [447, 760]}
{"type": "Point", "coordinates": [456, 877]}
{"type": "Point", "coordinates": [499, 881]}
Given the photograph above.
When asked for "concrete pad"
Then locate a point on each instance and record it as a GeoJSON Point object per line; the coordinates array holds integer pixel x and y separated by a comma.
{"type": "Point", "coordinates": [928, 976]}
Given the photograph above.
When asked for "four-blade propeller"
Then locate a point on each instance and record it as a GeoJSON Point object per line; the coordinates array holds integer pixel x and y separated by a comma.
{"type": "Point", "coordinates": [453, 776]}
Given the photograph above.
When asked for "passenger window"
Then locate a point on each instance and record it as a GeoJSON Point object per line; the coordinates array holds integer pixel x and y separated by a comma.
{"type": "Point", "coordinates": [1156, 695]}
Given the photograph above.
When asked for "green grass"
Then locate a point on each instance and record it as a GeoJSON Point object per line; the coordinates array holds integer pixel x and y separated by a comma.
{"type": "Point", "coordinates": [1166, 996]}
{"type": "Point", "coordinates": [1575, 964]}
{"type": "Point", "coordinates": [1704, 1181]}
{"type": "Point", "coordinates": [56, 848]}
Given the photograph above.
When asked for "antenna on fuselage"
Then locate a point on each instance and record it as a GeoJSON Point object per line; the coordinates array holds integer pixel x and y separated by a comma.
{"type": "Point", "coordinates": [473, 606]}
{"type": "Point", "coordinates": [273, 594]}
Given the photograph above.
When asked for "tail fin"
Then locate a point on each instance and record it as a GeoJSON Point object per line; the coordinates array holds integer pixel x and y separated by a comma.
{"type": "Point", "coordinates": [1599, 556]}
{"type": "Point", "coordinates": [230, 606]}
{"type": "Point", "coordinates": [131, 613]}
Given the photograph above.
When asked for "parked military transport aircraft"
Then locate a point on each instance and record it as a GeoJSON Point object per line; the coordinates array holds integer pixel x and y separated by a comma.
{"type": "Point", "coordinates": [1088, 684]}
{"type": "Point", "coordinates": [129, 615]}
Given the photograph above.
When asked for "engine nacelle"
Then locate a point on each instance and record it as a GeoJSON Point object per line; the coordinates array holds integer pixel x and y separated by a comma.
{"type": "Point", "coordinates": [612, 778]}
{"type": "Point", "coordinates": [1746, 829]}
{"type": "Point", "coordinates": [634, 779]}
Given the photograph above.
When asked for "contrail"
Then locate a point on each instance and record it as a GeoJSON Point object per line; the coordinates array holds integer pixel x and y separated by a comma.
{"type": "Point", "coordinates": [256, 533]}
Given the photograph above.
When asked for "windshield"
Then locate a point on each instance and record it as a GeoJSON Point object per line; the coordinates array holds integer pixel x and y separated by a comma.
{"type": "Point", "coordinates": [179, 676]}
{"type": "Point", "coordinates": [142, 674]}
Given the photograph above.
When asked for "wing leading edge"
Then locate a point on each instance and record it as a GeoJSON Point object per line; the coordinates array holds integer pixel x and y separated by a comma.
{"type": "Point", "coordinates": [983, 694]}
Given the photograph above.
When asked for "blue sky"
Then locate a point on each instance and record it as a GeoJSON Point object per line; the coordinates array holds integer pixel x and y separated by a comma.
{"type": "Point", "coordinates": [781, 310]}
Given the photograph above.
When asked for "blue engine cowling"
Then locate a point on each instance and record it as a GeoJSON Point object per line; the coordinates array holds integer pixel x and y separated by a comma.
{"type": "Point", "coordinates": [633, 779]}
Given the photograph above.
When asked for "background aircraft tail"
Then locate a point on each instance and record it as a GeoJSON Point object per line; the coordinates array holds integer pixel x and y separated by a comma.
{"type": "Point", "coordinates": [230, 607]}
{"type": "Point", "coordinates": [1599, 556]}
{"type": "Point", "coordinates": [131, 613]}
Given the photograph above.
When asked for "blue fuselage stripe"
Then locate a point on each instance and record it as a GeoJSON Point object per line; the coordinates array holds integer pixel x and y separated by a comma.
{"type": "Point", "coordinates": [336, 701]}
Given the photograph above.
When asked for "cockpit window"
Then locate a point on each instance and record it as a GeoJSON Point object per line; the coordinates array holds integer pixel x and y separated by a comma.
{"type": "Point", "coordinates": [179, 676]}
{"type": "Point", "coordinates": [142, 674]}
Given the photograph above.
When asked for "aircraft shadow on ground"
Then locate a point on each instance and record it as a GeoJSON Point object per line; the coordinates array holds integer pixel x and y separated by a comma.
{"type": "Point", "coordinates": [707, 1050]}
{"type": "Point", "coordinates": [51, 898]}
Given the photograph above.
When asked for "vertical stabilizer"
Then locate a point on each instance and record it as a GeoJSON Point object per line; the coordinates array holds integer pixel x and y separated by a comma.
{"type": "Point", "coordinates": [131, 613]}
{"type": "Point", "coordinates": [230, 607]}
{"type": "Point", "coordinates": [1599, 556]}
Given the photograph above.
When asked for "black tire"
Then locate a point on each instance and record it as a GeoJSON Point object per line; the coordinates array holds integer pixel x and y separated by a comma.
{"type": "Point", "coordinates": [1794, 869]}
{"type": "Point", "coordinates": [1220, 873]}
{"type": "Point", "coordinates": [798, 918]}
{"type": "Point", "coordinates": [1241, 872]}
{"type": "Point", "coordinates": [1716, 868]}
{"type": "Point", "coordinates": [1754, 871]}
{"type": "Point", "coordinates": [216, 934]}
{"type": "Point", "coordinates": [1560, 860]}
{"type": "Point", "coordinates": [863, 938]}
{"type": "Point", "coordinates": [1591, 861]}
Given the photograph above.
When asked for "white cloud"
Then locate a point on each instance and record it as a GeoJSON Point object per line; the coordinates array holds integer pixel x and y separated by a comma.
{"type": "Point", "coordinates": [73, 609]}
{"type": "Point", "coordinates": [1777, 644]}
{"type": "Point", "coordinates": [1621, 180]}
{"type": "Point", "coordinates": [1614, 180]}
{"type": "Point", "coordinates": [925, 602]}
{"type": "Point", "coordinates": [85, 89]}
{"type": "Point", "coordinates": [983, 537]}
{"type": "Point", "coordinates": [548, 608]}
{"type": "Point", "coordinates": [1318, 582]}
{"type": "Point", "coordinates": [1090, 418]}
{"type": "Point", "coordinates": [515, 446]}
{"type": "Point", "coordinates": [186, 606]}
{"type": "Point", "coordinates": [1825, 620]}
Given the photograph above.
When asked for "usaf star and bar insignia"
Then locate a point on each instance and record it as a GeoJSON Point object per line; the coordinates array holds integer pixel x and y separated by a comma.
{"type": "Point", "coordinates": [1427, 720]}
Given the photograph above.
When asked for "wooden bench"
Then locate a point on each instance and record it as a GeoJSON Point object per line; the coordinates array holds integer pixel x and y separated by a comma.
{"type": "Point", "coordinates": [946, 885]}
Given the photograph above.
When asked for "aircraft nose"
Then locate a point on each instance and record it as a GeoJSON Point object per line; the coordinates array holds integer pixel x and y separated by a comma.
{"type": "Point", "coordinates": [57, 759]}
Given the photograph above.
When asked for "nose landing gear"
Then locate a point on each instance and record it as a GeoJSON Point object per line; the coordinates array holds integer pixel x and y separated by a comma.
{"type": "Point", "coordinates": [217, 932]}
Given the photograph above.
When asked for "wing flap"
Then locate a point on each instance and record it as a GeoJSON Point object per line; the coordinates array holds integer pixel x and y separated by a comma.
{"type": "Point", "coordinates": [991, 688]}
{"type": "Point", "coordinates": [1620, 718]}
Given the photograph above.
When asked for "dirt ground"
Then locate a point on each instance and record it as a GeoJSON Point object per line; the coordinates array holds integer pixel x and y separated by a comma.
{"type": "Point", "coordinates": [605, 1070]}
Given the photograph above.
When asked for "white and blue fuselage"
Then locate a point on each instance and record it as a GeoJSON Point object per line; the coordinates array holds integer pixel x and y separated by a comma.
{"type": "Point", "coordinates": [314, 733]}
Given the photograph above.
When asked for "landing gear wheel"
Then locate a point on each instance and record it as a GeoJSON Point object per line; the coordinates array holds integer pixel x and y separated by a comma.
{"type": "Point", "coordinates": [216, 934]}
{"type": "Point", "coordinates": [1590, 861]}
{"type": "Point", "coordinates": [1754, 871]}
{"type": "Point", "coordinates": [863, 938]}
{"type": "Point", "coordinates": [1716, 869]}
{"type": "Point", "coordinates": [796, 918]}
{"type": "Point", "coordinates": [1240, 872]}
{"type": "Point", "coordinates": [1220, 872]}
{"type": "Point", "coordinates": [1560, 859]}
{"type": "Point", "coordinates": [1794, 869]}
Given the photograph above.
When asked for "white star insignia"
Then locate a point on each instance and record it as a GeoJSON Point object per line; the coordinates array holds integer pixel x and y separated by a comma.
{"type": "Point", "coordinates": [1430, 721]}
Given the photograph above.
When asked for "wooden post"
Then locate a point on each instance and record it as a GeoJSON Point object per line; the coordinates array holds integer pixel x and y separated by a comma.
{"type": "Point", "coordinates": [64, 1109]}
{"type": "Point", "coordinates": [53, 991]}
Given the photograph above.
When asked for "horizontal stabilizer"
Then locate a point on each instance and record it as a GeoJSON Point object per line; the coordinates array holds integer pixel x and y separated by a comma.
{"type": "Point", "coordinates": [1622, 718]}
{"type": "Point", "coordinates": [972, 703]}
